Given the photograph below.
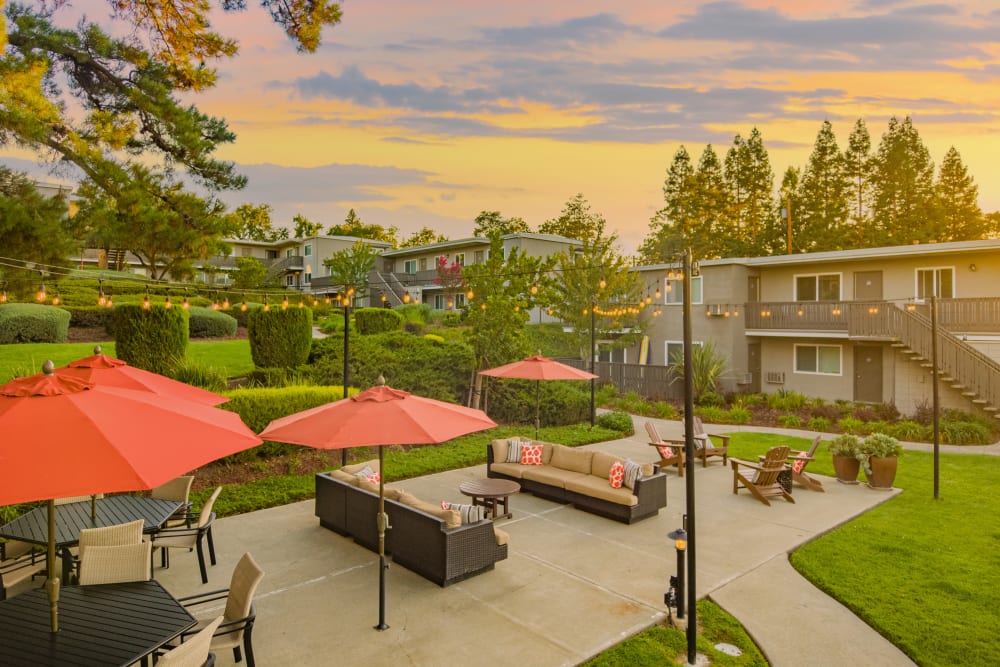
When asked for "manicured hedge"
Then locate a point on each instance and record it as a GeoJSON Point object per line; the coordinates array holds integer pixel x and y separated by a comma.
{"type": "Point", "coordinates": [32, 323]}
{"type": "Point", "coordinates": [280, 338]}
{"type": "Point", "coordinates": [258, 407]}
{"type": "Point", "coordinates": [89, 316]}
{"type": "Point", "coordinates": [155, 339]}
{"type": "Point", "coordinates": [511, 401]}
{"type": "Point", "coordinates": [208, 323]}
{"type": "Point", "coordinates": [377, 320]}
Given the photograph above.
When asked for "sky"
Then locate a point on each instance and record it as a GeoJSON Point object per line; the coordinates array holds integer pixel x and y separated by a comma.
{"type": "Point", "coordinates": [426, 113]}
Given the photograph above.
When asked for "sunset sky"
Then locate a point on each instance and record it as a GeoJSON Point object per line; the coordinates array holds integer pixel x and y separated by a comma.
{"type": "Point", "coordinates": [426, 113]}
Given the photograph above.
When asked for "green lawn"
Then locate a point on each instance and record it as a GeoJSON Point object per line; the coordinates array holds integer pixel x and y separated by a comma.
{"type": "Point", "coordinates": [27, 358]}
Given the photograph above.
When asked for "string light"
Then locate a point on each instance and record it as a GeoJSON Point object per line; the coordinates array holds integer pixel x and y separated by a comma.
{"type": "Point", "coordinates": [40, 295]}
{"type": "Point", "coordinates": [603, 283]}
{"type": "Point", "coordinates": [215, 303]}
{"type": "Point", "coordinates": [534, 289]}
{"type": "Point", "coordinates": [243, 306]}
{"type": "Point", "coordinates": [3, 293]}
{"type": "Point", "coordinates": [55, 299]}
{"type": "Point", "coordinates": [327, 300]}
{"type": "Point", "coordinates": [184, 304]}
{"type": "Point", "coordinates": [167, 304]}
{"type": "Point", "coordinates": [406, 297]}
{"type": "Point", "coordinates": [267, 306]}
{"type": "Point", "coordinates": [101, 299]}
{"type": "Point", "coordinates": [145, 299]}
{"type": "Point", "coordinates": [109, 303]}
{"type": "Point", "coordinates": [284, 303]}
{"type": "Point", "coordinates": [225, 302]}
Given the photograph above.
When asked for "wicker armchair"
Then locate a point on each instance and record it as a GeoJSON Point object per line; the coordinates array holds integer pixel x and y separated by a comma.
{"type": "Point", "coordinates": [116, 564]}
{"type": "Point", "coordinates": [190, 538]}
{"type": "Point", "coordinates": [19, 561]}
{"type": "Point", "coordinates": [238, 619]}
{"type": "Point", "coordinates": [195, 651]}
{"type": "Point", "coordinates": [178, 489]}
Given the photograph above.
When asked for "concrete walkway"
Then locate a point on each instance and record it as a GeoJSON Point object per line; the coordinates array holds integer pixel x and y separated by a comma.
{"type": "Point", "coordinates": [573, 585]}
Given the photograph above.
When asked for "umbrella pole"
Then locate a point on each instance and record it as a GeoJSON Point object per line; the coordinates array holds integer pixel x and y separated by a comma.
{"type": "Point", "coordinates": [52, 581]}
{"type": "Point", "coordinates": [538, 402]}
{"type": "Point", "coordinates": [383, 524]}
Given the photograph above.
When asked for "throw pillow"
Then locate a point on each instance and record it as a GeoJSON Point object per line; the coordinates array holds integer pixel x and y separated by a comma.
{"type": "Point", "coordinates": [469, 513]}
{"type": "Point", "coordinates": [798, 465]}
{"type": "Point", "coordinates": [632, 472]}
{"type": "Point", "coordinates": [700, 441]}
{"type": "Point", "coordinates": [369, 474]}
{"type": "Point", "coordinates": [513, 450]}
{"type": "Point", "coordinates": [666, 452]}
{"type": "Point", "coordinates": [617, 475]}
{"type": "Point", "coordinates": [531, 455]}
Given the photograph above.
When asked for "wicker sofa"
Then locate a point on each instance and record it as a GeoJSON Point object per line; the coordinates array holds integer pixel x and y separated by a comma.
{"type": "Point", "coordinates": [423, 537]}
{"type": "Point", "coordinates": [580, 477]}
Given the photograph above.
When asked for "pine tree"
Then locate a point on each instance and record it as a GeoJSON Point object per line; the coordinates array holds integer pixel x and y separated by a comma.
{"type": "Point", "coordinates": [670, 227]}
{"type": "Point", "coordinates": [788, 212]}
{"type": "Point", "coordinates": [857, 169]}
{"type": "Point", "coordinates": [734, 173]}
{"type": "Point", "coordinates": [903, 188]}
{"type": "Point", "coordinates": [712, 205]}
{"type": "Point", "coordinates": [822, 193]}
{"type": "Point", "coordinates": [748, 175]}
{"type": "Point", "coordinates": [959, 217]}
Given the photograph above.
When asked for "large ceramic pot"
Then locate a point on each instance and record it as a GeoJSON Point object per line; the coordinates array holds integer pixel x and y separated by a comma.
{"type": "Point", "coordinates": [883, 471]}
{"type": "Point", "coordinates": [847, 468]}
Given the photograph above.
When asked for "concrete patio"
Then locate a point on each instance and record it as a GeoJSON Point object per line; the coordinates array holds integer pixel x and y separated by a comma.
{"type": "Point", "coordinates": [573, 585]}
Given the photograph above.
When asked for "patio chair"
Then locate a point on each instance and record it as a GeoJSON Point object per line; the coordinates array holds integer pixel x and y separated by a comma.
{"type": "Point", "coordinates": [671, 451]}
{"type": "Point", "coordinates": [190, 538]}
{"type": "Point", "coordinates": [799, 460]}
{"type": "Point", "coordinates": [107, 536]}
{"type": "Point", "coordinates": [705, 446]}
{"type": "Point", "coordinates": [116, 564]}
{"type": "Point", "coordinates": [19, 561]}
{"type": "Point", "coordinates": [195, 651]}
{"type": "Point", "coordinates": [763, 483]}
{"type": "Point", "coordinates": [178, 489]}
{"type": "Point", "coordinates": [76, 499]}
{"type": "Point", "coordinates": [240, 614]}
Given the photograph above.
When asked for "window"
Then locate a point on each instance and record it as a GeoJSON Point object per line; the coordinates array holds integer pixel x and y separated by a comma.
{"type": "Point", "coordinates": [818, 359]}
{"type": "Point", "coordinates": [939, 282]}
{"type": "Point", "coordinates": [440, 302]}
{"type": "Point", "coordinates": [423, 263]}
{"type": "Point", "coordinates": [308, 278]}
{"type": "Point", "coordinates": [460, 258]}
{"type": "Point", "coordinates": [480, 256]}
{"type": "Point", "coordinates": [246, 252]}
{"type": "Point", "coordinates": [675, 349]}
{"type": "Point", "coordinates": [673, 292]}
{"type": "Point", "coordinates": [818, 287]}
{"type": "Point", "coordinates": [459, 300]}
{"type": "Point", "coordinates": [309, 250]}
{"type": "Point", "coordinates": [290, 280]}
{"type": "Point", "coordinates": [410, 266]}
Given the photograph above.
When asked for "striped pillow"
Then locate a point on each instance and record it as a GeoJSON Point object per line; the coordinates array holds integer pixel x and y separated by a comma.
{"type": "Point", "coordinates": [469, 513]}
{"type": "Point", "coordinates": [513, 450]}
{"type": "Point", "coordinates": [632, 472]}
{"type": "Point", "coordinates": [369, 474]}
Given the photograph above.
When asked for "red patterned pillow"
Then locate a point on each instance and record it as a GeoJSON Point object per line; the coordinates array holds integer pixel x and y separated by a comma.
{"type": "Point", "coordinates": [617, 475]}
{"type": "Point", "coordinates": [531, 455]}
{"type": "Point", "coordinates": [374, 478]}
{"type": "Point", "coordinates": [666, 452]}
{"type": "Point", "coordinates": [799, 464]}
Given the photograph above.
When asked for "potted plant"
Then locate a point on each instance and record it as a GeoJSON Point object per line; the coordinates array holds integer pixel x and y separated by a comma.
{"type": "Point", "coordinates": [846, 463]}
{"type": "Point", "coordinates": [879, 455]}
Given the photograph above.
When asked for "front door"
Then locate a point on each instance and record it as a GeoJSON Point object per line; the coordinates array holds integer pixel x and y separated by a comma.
{"type": "Point", "coordinates": [868, 286]}
{"type": "Point", "coordinates": [754, 366]}
{"type": "Point", "coordinates": [868, 374]}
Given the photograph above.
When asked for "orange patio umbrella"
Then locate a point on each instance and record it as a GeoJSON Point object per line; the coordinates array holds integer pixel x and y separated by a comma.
{"type": "Point", "coordinates": [373, 418]}
{"type": "Point", "coordinates": [538, 368]}
{"type": "Point", "coordinates": [101, 369]}
{"type": "Point", "coordinates": [63, 436]}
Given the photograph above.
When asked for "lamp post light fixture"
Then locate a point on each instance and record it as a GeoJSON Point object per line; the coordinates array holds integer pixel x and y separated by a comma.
{"type": "Point", "coordinates": [345, 301]}
{"type": "Point", "coordinates": [689, 270]}
{"type": "Point", "coordinates": [679, 537]}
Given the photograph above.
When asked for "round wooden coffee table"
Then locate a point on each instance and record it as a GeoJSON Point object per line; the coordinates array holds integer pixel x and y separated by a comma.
{"type": "Point", "coordinates": [492, 494]}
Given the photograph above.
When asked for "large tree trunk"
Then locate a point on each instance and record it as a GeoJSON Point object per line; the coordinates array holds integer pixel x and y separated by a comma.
{"type": "Point", "coordinates": [477, 390]}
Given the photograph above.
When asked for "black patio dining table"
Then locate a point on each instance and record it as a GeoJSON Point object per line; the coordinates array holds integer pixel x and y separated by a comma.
{"type": "Point", "coordinates": [71, 518]}
{"type": "Point", "coordinates": [99, 626]}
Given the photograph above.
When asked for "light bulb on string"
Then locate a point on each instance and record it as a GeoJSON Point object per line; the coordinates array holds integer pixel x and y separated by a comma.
{"type": "Point", "coordinates": [225, 302]}
{"type": "Point", "coordinates": [470, 295]}
{"type": "Point", "coordinates": [166, 303]}
{"type": "Point", "coordinates": [301, 305]}
{"type": "Point", "coordinates": [184, 304]}
{"type": "Point", "coordinates": [267, 306]}
{"type": "Point", "coordinates": [534, 289]}
{"type": "Point", "coordinates": [284, 303]}
{"type": "Point", "coordinates": [101, 299]}
{"type": "Point", "coordinates": [603, 283]}
{"type": "Point", "coordinates": [327, 300]}
{"type": "Point", "coordinates": [243, 305]}
{"type": "Point", "coordinates": [40, 294]}
{"type": "Point", "coordinates": [55, 299]}
{"type": "Point", "coordinates": [110, 302]}
{"type": "Point", "coordinates": [145, 299]}
{"type": "Point", "coordinates": [3, 293]}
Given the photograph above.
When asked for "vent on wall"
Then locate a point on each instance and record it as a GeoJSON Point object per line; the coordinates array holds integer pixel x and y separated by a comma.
{"type": "Point", "coordinates": [745, 378]}
{"type": "Point", "coordinates": [775, 377]}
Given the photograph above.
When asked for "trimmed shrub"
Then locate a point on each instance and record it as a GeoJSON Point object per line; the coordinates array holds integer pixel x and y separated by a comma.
{"type": "Point", "coordinates": [434, 337]}
{"type": "Point", "coordinates": [414, 312]}
{"type": "Point", "coordinates": [207, 377]}
{"type": "Point", "coordinates": [711, 398]}
{"type": "Point", "coordinates": [154, 340]}
{"type": "Point", "coordinates": [616, 421]}
{"type": "Point", "coordinates": [562, 402]}
{"type": "Point", "coordinates": [32, 323]}
{"type": "Point", "coordinates": [280, 338]}
{"type": "Point", "coordinates": [89, 316]}
{"type": "Point", "coordinates": [259, 406]}
{"type": "Point", "coordinates": [241, 316]}
{"type": "Point", "coordinates": [451, 319]}
{"type": "Point", "coordinates": [208, 323]}
{"type": "Point", "coordinates": [739, 415]}
{"type": "Point", "coordinates": [370, 321]}
{"type": "Point", "coordinates": [819, 424]}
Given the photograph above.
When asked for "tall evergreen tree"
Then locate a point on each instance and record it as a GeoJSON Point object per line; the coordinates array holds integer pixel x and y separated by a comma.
{"type": "Point", "coordinates": [822, 209]}
{"type": "Point", "coordinates": [788, 212]}
{"type": "Point", "coordinates": [713, 205]}
{"type": "Point", "coordinates": [576, 222]}
{"type": "Point", "coordinates": [903, 187]}
{"type": "Point", "coordinates": [857, 169]}
{"type": "Point", "coordinates": [670, 227]}
{"type": "Point", "coordinates": [959, 217]}
{"type": "Point", "coordinates": [748, 174]}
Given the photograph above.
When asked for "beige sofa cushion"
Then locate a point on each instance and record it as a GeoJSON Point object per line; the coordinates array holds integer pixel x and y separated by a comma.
{"type": "Point", "coordinates": [596, 487]}
{"type": "Point", "coordinates": [575, 460]}
{"type": "Point", "coordinates": [502, 538]}
{"type": "Point", "coordinates": [547, 449]}
{"type": "Point", "coordinates": [601, 464]}
{"type": "Point", "coordinates": [510, 469]}
{"type": "Point", "coordinates": [355, 468]}
{"type": "Point", "coordinates": [345, 477]}
{"type": "Point", "coordinates": [363, 483]}
{"type": "Point", "coordinates": [451, 518]}
{"type": "Point", "coordinates": [647, 469]}
{"type": "Point", "coordinates": [499, 450]}
{"type": "Point", "coordinates": [392, 493]}
{"type": "Point", "coordinates": [550, 475]}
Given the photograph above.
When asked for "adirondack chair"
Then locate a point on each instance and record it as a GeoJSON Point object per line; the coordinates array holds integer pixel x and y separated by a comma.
{"type": "Point", "coordinates": [763, 483]}
{"type": "Point", "coordinates": [671, 452]}
{"type": "Point", "coordinates": [704, 446]}
{"type": "Point", "coordinates": [799, 460]}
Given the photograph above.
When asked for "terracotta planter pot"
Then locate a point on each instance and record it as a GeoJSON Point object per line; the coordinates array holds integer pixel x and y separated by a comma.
{"type": "Point", "coordinates": [883, 471]}
{"type": "Point", "coordinates": [847, 468]}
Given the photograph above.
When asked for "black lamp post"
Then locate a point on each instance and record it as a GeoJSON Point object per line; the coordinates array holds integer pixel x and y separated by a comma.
{"type": "Point", "coordinates": [346, 302]}
{"type": "Point", "coordinates": [679, 537]}
{"type": "Point", "coordinates": [689, 271]}
{"type": "Point", "coordinates": [593, 353]}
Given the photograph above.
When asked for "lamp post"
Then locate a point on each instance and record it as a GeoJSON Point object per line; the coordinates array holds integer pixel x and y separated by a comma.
{"type": "Point", "coordinates": [934, 393]}
{"type": "Point", "coordinates": [346, 302]}
{"type": "Point", "coordinates": [679, 537]}
{"type": "Point", "coordinates": [692, 624]}
{"type": "Point", "coordinates": [593, 353]}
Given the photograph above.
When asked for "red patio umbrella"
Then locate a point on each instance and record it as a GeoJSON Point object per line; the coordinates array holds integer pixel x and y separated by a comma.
{"type": "Point", "coordinates": [538, 368]}
{"type": "Point", "coordinates": [376, 417]}
{"type": "Point", "coordinates": [63, 436]}
{"type": "Point", "coordinates": [101, 369]}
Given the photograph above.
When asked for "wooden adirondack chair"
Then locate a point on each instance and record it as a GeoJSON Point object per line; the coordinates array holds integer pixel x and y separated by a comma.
{"type": "Point", "coordinates": [763, 483]}
{"type": "Point", "coordinates": [671, 452]}
{"type": "Point", "coordinates": [799, 460]}
{"type": "Point", "coordinates": [705, 446]}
